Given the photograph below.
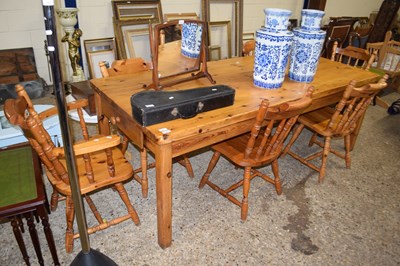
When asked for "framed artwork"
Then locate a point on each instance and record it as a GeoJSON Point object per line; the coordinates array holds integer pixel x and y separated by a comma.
{"type": "Point", "coordinates": [231, 10]}
{"type": "Point", "coordinates": [98, 50]}
{"type": "Point", "coordinates": [138, 11]}
{"type": "Point", "coordinates": [127, 14]}
{"type": "Point", "coordinates": [178, 16]}
{"type": "Point", "coordinates": [137, 43]}
{"type": "Point", "coordinates": [95, 58]}
{"type": "Point", "coordinates": [219, 33]}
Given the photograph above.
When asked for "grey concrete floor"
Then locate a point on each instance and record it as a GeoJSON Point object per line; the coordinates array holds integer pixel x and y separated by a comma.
{"type": "Point", "coordinates": [352, 218]}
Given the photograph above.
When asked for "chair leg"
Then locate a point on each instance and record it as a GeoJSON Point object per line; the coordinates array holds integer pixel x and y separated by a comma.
{"type": "Point", "coordinates": [69, 233]}
{"type": "Point", "coordinates": [296, 134]}
{"type": "Point", "coordinates": [347, 145]}
{"type": "Point", "coordinates": [144, 179]}
{"type": "Point", "coordinates": [275, 170]}
{"type": "Point", "coordinates": [124, 196]}
{"type": "Point", "coordinates": [54, 200]}
{"type": "Point", "coordinates": [94, 209]}
{"type": "Point", "coordinates": [246, 189]}
{"type": "Point", "coordinates": [325, 154]}
{"type": "Point", "coordinates": [210, 167]}
{"type": "Point", "coordinates": [188, 166]}
{"type": "Point", "coordinates": [312, 139]}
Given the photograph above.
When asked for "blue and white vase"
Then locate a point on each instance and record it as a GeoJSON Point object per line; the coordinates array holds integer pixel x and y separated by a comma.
{"type": "Point", "coordinates": [273, 44]}
{"type": "Point", "coordinates": [307, 45]}
{"type": "Point", "coordinates": [191, 39]}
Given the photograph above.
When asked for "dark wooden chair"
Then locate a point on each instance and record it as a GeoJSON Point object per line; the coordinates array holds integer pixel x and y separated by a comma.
{"type": "Point", "coordinates": [130, 66]}
{"type": "Point", "coordinates": [353, 56]}
{"type": "Point", "coordinates": [261, 147]}
{"type": "Point", "coordinates": [100, 163]}
{"type": "Point", "coordinates": [335, 122]}
{"type": "Point", "coordinates": [338, 30]}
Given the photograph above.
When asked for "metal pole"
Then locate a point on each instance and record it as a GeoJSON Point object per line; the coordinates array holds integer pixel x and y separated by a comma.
{"type": "Point", "coordinates": [51, 35]}
{"type": "Point", "coordinates": [87, 256]}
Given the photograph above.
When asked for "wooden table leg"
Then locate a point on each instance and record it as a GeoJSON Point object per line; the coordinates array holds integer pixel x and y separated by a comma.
{"type": "Point", "coordinates": [163, 157]}
{"type": "Point", "coordinates": [34, 236]}
{"type": "Point", "coordinates": [48, 233]}
{"type": "Point", "coordinates": [20, 240]}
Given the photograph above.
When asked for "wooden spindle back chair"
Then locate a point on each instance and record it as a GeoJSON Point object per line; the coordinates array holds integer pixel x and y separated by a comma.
{"type": "Point", "coordinates": [338, 122]}
{"type": "Point", "coordinates": [248, 48]}
{"type": "Point", "coordinates": [261, 147]}
{"type": "Point", "coordinates": [130, 66]}
{"type": "Point", "coordinates": [100, 164]}
{"type": "Point", "coordinates": [353, 56]}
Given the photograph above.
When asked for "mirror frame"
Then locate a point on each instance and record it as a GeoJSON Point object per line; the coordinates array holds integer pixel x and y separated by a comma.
{"type": "Point", "coordinates": [201, 65]}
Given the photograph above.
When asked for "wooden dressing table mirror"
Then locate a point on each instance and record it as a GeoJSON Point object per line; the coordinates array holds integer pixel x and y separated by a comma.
{"type": "Point", "coordinates": [178, 52]}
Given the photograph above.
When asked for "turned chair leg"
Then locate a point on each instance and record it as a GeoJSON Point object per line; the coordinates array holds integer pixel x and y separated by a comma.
{"type": "Point", "coordinates": [94, 209]}
{"type": "Point", "coordinates": [347, 145]}
{"type": "Point", "coordinates": [275, 170]}
{"type": "Point", "coordinates": [246, 189]}
{"type": "Point", "coordinates": [69, 233]}
{"type": "Point", "coordinates": [188, 166]}
{"type": "Point", "coordinates": [312, 139]}
{"type": "Point", "coordinates": [54, 200]}
{"type": "Point", "coordinates": [210, 167]}
{"type": "Point", "coordinates": [124, 196]}
{"type": "Point", "coordinates": [296, 134]}
{"type": "Point", "coordinates": [325, 154]}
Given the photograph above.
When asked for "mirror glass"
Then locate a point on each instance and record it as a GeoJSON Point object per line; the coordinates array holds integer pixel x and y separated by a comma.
{"type": "Point", "coordinates": [178, 47]}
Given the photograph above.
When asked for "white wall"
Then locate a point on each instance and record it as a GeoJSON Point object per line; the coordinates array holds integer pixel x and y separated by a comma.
{"type": "Point", "coordinates": [21, 21]}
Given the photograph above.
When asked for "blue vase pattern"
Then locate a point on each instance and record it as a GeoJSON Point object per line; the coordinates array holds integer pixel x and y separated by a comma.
{"type": "Point", "coordinates": [273, 45]}
{"type": "Point", "coordinates": [191, 39]}
{"type": "Point", "coordinates": [307, 45]}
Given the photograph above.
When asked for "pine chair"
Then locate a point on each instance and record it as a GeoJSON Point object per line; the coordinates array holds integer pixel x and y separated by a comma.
{"type": "Point", "coordinates": [335, 122]}
{"type": "Point", "coordinates": [261, 147]}
{"type": "Point", "coordinates": [130, 66]}
{"type": "Point", "coordinates": [100, 164]}
{"type": "Point", "coordinates": [248, 48]}
{"type": "Point", "coordinates": [353, 56]}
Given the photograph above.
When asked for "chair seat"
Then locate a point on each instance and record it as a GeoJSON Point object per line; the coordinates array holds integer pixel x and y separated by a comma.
{"type": "Point", "coordinates": [102, 178]}
{"type": "Point", "coordinates": [318, 121]}
{"type": "Point", "coordinates": [234, 149]}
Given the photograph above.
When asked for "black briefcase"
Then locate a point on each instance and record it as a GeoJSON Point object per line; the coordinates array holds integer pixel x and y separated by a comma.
{"type": "Point", "coordinates": [152, 107]}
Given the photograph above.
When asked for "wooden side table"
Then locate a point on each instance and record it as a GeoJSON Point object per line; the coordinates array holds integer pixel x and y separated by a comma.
{"type": "Point", "coordinates": [23, 196]}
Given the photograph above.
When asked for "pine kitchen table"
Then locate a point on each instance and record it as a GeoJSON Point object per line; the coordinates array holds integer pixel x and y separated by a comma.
{"type": "Point", "coordinates": [173, 138]}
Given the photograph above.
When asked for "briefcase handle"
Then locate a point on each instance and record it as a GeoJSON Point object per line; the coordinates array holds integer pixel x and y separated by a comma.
{"type": "Point", "coordinates": [187, 111]}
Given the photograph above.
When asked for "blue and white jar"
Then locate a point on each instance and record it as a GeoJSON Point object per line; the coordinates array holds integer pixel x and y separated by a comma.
{"type": "Point", "coordinates": [191, 39]}
{"type": "Point", "coordinates": [273, 44]}
{"type": "Point", "coordinates": [307, 45]}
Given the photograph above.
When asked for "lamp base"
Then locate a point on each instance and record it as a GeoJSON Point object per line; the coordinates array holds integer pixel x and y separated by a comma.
{"type": "Point", "coordinates": [94, 258]}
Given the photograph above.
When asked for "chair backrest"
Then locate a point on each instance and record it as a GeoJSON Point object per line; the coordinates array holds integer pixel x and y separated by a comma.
{"type": "Point", "coordinates": [249, 47]}
{"type": "Point", "coordinates": [338, 30]}
{"type": "Point", "coordinates": [21, 112]}
{"type": "Point", "coordinates": [352, 106]}
{"type": "Point", "coordinates": [125, 66]}
{"type": "Point", "coordinates": [266, 143]}
{"type": "Point", "coordinates": [353, 56]}
{"type": "Point", "coordinates": [388, 55]}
